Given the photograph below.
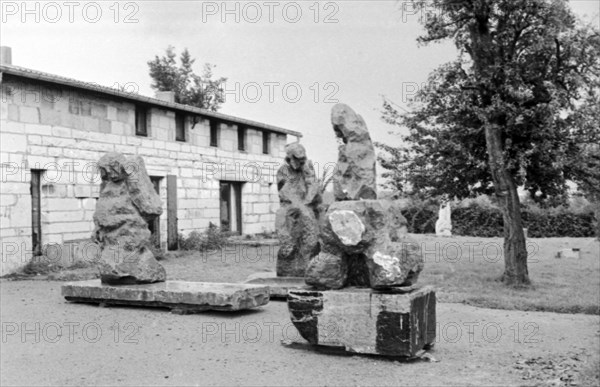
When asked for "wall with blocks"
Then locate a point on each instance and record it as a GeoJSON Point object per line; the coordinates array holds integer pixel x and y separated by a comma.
{"type": "Point", "coordinates": [60, 133]}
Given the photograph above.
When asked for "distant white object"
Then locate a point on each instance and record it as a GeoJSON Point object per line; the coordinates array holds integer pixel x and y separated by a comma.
{"type": "Point", "coordinates": [443, 226]}
{"type": "Point", "coordinates": [568, 253]}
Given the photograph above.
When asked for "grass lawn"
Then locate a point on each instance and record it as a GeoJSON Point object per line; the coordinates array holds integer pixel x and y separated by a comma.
{"type": "Point", "coordinates": [558, 285]}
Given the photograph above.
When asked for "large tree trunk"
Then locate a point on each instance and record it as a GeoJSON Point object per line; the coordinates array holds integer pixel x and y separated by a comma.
{"type": "Point", "coordinates": [515, 249]}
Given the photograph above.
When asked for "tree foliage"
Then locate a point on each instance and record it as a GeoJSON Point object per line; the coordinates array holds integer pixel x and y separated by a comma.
{"type": "Point", "coordinates": [536, 79]}
{"type": "Point", "coordinates": [190, 89]}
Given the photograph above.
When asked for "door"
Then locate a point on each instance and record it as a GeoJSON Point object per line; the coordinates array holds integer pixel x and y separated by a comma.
{"type": "Point", "coordinates": [172, 232]}
{"type": "Point", "coordinates": [231, 206]}
{"type": "Point", "coordinates": [36, 211]}
{"type": "Point", "coordinates": [154, 226]}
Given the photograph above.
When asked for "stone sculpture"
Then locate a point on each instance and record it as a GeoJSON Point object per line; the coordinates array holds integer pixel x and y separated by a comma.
{"type": "Point", "coordinates": [360, 244]}
{"type": "Point", "coordinates": [443, 226]}
{"type": "Point", "coordinates": [364, 248]}
{"type": "Point", "coordinates": [126, 205]}
{"type": "Point", "coordinates": [297, 218]}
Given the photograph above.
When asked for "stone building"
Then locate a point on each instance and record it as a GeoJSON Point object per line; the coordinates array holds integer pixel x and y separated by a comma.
{"type": "Point", "coordinates": [207, 167]}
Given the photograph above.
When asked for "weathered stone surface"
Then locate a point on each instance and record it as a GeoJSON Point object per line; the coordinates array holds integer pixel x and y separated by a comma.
{"type": "Point", "coordinates": [176, 295]}
{"type": "Point", "coordinates": [397, 223]}
{"type": "Point", "coordinates": [357, 248]}
{"type": "Point", "coordinates": [366, 321]}
{"type": "Point", "coordinates": [126, 204]}
{"type": "Point", "coordinates": [355, 175]}
{"type": "Point", "coordinates": [443, 226]}
{"type": "Point", "coordinates": [278, 286]}
{"type": "Point", "coordinates": [327, 271]}
{"type": "Point", "coordinates": [297, 219]}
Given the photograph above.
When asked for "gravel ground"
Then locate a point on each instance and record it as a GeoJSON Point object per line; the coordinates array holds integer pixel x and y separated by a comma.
{"type": "Point", "coordinates": [137, 346]}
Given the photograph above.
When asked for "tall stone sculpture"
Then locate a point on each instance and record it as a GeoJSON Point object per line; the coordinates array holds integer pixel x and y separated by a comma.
{"type": "Point", "coordinates": [357, 232]}
{"type": "Point", "coordinates": [296, 219]}
{"type": "Point", "coordinates": [129, 273]}
{"type": "Point", "coordinates": [363, 248]}
{"type": "Point", "coordinates": [355, 174]}
{"type": "Point", "coordinates": [126, 205]}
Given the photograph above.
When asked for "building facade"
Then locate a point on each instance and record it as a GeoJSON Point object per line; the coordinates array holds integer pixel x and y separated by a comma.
{"type": "Point", "coordinates": [207, 167]}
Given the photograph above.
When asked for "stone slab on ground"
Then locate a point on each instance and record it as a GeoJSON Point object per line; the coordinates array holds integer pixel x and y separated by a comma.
{"type": "Point", "coordinates": [179, 296]}
{"type": "Point", "coordinates": [279, 286]}
{"type": "Point", "coordinates": [366, 321]}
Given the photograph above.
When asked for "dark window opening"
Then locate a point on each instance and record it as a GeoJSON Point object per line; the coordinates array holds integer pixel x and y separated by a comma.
{"type": "Point", "coordinates": [241, 138]}
{"type": "Point", "coordinates": [266, 142]}
{"type": "Point", "coordinates": [141, 124]}
{"type": "Point", "coordinates": [179, 127]}
{"type": "Point", "coordinates": [214, 133]}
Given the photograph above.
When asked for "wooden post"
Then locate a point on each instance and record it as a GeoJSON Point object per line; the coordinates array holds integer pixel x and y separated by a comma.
{"type": "Point", "coordinates": [172, 231]}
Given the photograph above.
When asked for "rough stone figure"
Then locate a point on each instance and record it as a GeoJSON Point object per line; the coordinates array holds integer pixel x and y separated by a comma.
{"type": "Point", "coordinates": [297, 218]}
{"type": "Point", "coordinates": [126, 205]}
{"type": "Point", "coordinates": [363, 240]}
{"type": "Point", "coordinates": [355, 174]}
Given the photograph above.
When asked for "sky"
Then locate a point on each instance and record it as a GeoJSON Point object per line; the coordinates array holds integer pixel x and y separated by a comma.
{"type": "Point", "coordinates": [287, 63]}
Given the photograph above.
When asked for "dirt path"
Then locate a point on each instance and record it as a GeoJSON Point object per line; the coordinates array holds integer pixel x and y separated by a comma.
{"type": "Point", "coordinates": [133, 346]}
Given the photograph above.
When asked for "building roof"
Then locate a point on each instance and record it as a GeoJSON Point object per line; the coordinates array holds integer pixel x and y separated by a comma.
{"type": "Point", "coordinates": [57, 79]}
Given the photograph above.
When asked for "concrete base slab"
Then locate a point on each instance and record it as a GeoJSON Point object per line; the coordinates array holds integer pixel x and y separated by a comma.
{"type": "Point", "coordinates": [179, 296]}
{"type": "Point", "coordinates": [366, 321]}
{"type": "Point", "coordinates": [279, 286]}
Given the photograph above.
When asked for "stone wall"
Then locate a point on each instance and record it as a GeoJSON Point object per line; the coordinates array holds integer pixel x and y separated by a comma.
{"type": "Point", "coordinates": [63, 132]}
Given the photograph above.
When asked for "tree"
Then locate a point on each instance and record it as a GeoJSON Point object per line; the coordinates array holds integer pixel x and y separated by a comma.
{"type": "Point", "coordinates": [518, 107]}
{"type": "Point", "coordinates": [189, 88]}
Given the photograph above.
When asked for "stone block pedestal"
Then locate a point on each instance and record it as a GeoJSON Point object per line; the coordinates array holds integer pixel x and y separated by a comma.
{"type": "Point", "coordinates": [366, 321]}
{"type": "Point", "coordinates": [279, 286]}
{"type": "Point", "coordinates": [179, 296]}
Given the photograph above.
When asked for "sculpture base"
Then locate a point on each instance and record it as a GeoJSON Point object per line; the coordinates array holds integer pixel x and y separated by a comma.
{"type": "Point", "coordinates": [179, 296]}
{"type": "Point", "coordinates": [365, 320]}
{"type": "Point", "coordinates": [279, 286]}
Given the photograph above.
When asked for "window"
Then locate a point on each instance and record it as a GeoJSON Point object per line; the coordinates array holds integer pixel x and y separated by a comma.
{"type": "Point", "coordinates": [266, 142]}
{"type": "Point", "coordinates": [179, 126]}
{"type": "Point", "coordinates": [214, 133]}
{"type": "Point", "coordinates": [241, 138]}
{"type": "Point", "coordinates": [141, 128]}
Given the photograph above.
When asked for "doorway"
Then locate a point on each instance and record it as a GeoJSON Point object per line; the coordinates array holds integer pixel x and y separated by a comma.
{"type": "Point", "coordinates": [36, 211]}
{"type": "Point", "coordinates": [231, 206]}
{"type": "Point", "coordinates": [154, 226]}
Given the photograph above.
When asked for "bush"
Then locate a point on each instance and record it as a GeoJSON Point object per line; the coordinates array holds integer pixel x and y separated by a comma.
{"type": "Point", "coordinates": [481, 219]}
{"type": "Point", "coordinates": [211, 239]}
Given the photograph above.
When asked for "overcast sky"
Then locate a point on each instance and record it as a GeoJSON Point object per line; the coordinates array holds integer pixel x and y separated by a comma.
{"type": "Point", "coordinates": [348, 51]}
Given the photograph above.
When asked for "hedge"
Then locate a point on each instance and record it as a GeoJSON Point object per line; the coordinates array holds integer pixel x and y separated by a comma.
{"type": "Point", "coordinates": [479, 221]}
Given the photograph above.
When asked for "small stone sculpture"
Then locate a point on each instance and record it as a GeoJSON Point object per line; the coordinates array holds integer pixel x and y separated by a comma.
{"type": "Point", "coordinates": [127, 203]}
{"type": "Point", "coordinates": [443, 226]}
{"type": "Point", "coordinates": [363, 240]}
{"type": "Point", "coordinates": [296, 219]}
{"type": "Point", "coordinates": [355, 175]}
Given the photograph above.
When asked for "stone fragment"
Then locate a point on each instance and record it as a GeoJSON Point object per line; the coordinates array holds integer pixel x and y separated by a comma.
{"type": "Point", "coordinates": [355, 175]}
{"type": "Point", "coordinates": [297, 219]}
{"type": "Point", "coordinates": [126, 204]}
{"type": "Point", "coordinates": [278, 286]}
{"type": "Point", "coordinates": [347, 226]}
{"type": "Point", "coordinates": [366, 321]}
{"type": "Point", "coordinates": [180, 296]}
{"type": "Point", "coordinates": [327, 271]}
